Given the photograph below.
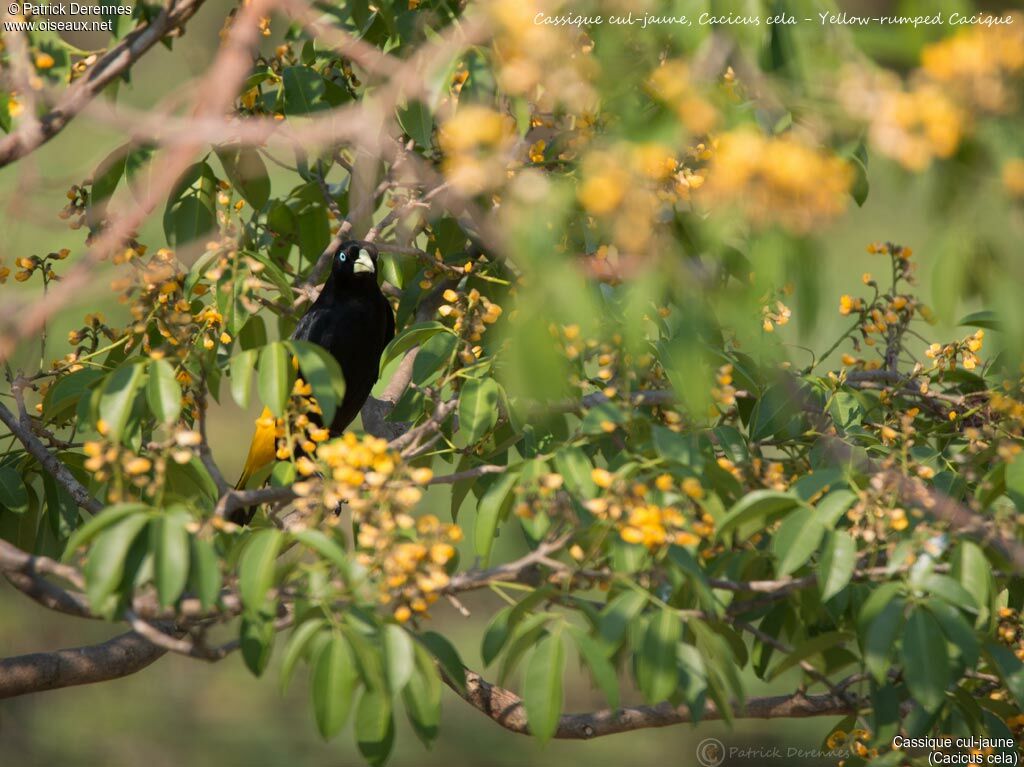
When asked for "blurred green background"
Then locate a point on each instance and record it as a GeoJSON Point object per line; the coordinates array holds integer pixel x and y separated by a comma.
{"type": "Point", "coordinates": [181, 711]}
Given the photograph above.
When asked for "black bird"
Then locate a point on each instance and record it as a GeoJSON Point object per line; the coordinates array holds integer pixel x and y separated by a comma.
{"type": "Point", "coordinates": [353, 321]}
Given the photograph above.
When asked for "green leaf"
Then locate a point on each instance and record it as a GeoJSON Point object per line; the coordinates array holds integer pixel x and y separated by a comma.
{"type": "Point", "coordinates": [422, 697]}
{"type": "Point", "coordinates": [322, 372]}
{"type": "Point", "coordinates": [1009, 668]}
{"type": "Point", "coordinates": [656, 672]}
{"type": "Point", "coordinates": [118, 396]}
{"type": "Point", "coordinates": [295, 650]}
{"type": "Point", "coordinates": [833, 506]}
{"type": "Point", "coordinates": [171, 554]}
{"type": "Point", "coordinates": [925, 659]}
{"type": "Point", "coordinates": [274, 377]}
{"type": "Point", "coordinates": [327, 548]}
{"type": "Point", "coordinates": [542, 687]}
{"type": "Point", "coordinates": [616, 618]}
{"type": "Point", "coordinates": [256, 642]}
{"type": "Point", "coordinates": [496, 635]}
{"type": "Point", "coordinates": [756, 509]}
{"type": "Point", "coordinates": [447, 657]}
{"type": "Point", "coordinates": [13, 495]}
{"type": "Point", "coordinates": [807, 649]}
{"type": "Point", "coordinates": [490, 510]}
{"type": "Point", "coordinates": [247, 172]}
{"type": "Point", "coordinates": [947, 588]}
{"type": "Point", "coordinates": [478, 408]}
{"type": "Point", "coordinates": [601, 669]}
{"type": "Point", "coordinates": [838, 561]}
{"type": "Point", "coordinates": [772, 411]}
{"type": "Point", "coordinates": [334, 683]}
{"type": "Point", "coordinates": [240, 369]}
{"type": "Point", "coordinates": [163, 393]}
{"type": "Point", "coordinates": [204, 577]}
{"type": "Point", "coordinates": [798, 537]}
{"type": "Point", "coordinates": [105, 566]}
{"type": "Point", "coordinates": [256, 567]}
{"type": "Point", "coordinates": [417, 122]}
{"type": "Point", "coordinates": [190, 211]}
{"type": "Point", "coordinates": [881, 636]}
{"type": "Point", "coordinates": [957, 630]}
{"type": "Point", "coordinates": [375, 726]}
{"type": "Point", "coordinates": [104, 519]}
{"type": "Point", "coordinates": [399, 660]}
{"type": "Point", "coordinates": [574, 466]}
{"type": "Point", "coordinates": [988, 320]}
{"type": "Point", "coordinates": [303, 91]}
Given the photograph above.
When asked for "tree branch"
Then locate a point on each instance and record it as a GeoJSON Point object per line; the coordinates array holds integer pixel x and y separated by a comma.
{"type": "Point", "coordinates": [112, 65]}
{"type": "Point", "coordinates": [506, 708]}
{"type": "Point", "coordinates": [49, 462]}
{"type": "Point", "coordinates": [121, 656]}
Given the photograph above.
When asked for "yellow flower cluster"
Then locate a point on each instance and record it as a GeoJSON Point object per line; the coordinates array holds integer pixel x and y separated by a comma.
{"type": "Point", "coordinates": [630, 184]}
{"type": "Point", "coordinates": [724, 393]}
{"type": "Point", "coordinates": [472, 313]}
{"type": "Point", "coordinates": [978, 64]}
{"type": "Point", "coordinates": [772, 316]}
{"type": "Point", "coordinates": [604, 364]}
{"type": "Point", "coordinates": [671, 84]}
{"type": "Point", "coordinates": [87, 337]}
{"type": "Point", "coordinates": [29, 265]}
{"type": "Point", "coordinates": [855, 741]}
{"type": "Point", "coordinates": [476, 141]}
{"type": "Point", "coordinates": [777, 180]}
{"type": "Point", "coordinates": [549, 65]}
{"type": "Point", "coordinates": [406, 556]}
{"type": "Point", "coordinates": [124, 468]}
{"type": "Point", "coordinates": [299, 432]}
{"type": "Point", "coordinates": [966, 350]}
{"type": "Point", "coordinates": [78, 202]}
{"type": "Point", "coordinates": [652, 524]}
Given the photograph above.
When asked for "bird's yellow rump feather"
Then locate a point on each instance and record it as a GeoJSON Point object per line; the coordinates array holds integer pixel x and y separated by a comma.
{"type": "Point", "coordinates": [262, 449]}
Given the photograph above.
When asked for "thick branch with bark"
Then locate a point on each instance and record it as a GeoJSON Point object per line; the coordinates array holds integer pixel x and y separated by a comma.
{"type": "Point", "coordinates": [506, 708]}
{"type": "Point", "coordinates": [118, 657]}
{"type": "Point", "coordinates": [110, 66]}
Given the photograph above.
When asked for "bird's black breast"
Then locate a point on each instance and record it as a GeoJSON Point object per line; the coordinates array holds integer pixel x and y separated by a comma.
{"type": "Point", "coordinates": [354, 326]}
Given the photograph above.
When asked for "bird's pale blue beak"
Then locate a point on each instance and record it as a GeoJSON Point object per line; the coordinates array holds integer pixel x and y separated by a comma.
{"type": "Point", "coordinates": [364, 263]}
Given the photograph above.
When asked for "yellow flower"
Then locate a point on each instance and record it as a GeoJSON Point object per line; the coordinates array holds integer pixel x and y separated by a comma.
{"type": "Point", "coordinates": [44, 61]}
{"type": "Point", "coordinates": [602, 477]}
{"type": "Point", "coordinates": [692, 487]}
{"type": "Point", "coordinates": [536, 152]}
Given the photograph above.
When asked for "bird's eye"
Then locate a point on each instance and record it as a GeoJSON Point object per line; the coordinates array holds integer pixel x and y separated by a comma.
{"type": "Point", "coordinates": [342, 257]}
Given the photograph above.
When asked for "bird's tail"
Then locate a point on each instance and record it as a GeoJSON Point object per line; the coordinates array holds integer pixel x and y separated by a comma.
{"type": "Point", "coordinates": [261, 453]}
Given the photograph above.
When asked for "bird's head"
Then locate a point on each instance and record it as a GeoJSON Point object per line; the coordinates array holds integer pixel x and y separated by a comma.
{"type": "Point", "coordinates": [354, 260]}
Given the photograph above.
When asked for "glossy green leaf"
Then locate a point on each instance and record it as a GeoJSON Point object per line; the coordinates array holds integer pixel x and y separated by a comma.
{"type": "Point", "coordinates": [171, 554]}
{"type": "Point", "coordinates": [656, 672]}
{"type": "Point", "coordinates": [256, 567]}
{"type": "Point", "coordinates": [163, 393]}
{"type": "Point", "coordinates": [118, 397]}
{"type": "Point", "coordinates": [13, 495]}
{"type": "Point", "coordinates": [478, 408]}
{"type": "Point", "coordinates": [297, 648]}
{"type": "Point", "coordinates": [274, 380]}
{"type": "Point", "coordinates": [247, 172]}
{"type": "Point", "coordinates": [321, 371]}
{"type": "Point", "coordinates": [601, 670]}
{"type": "Point", "coordinates": [375, 726]}
{"type": "Point", "coordinates": [334, 683]}
{"type": "Point", "coordinates": [925, 659]}
{"type": "Point", "coordinates": [838, 561]}
{"type": "Point", "coordinates": [492, 507]}
{"type": "Point", "coordinates": [542, 687]}
{"type": "Point", "coordinates": [399, 658]}
{"type": "Point", "coordinates": [240, 369]}
{"type": "Point", "coordinates": [104, 566]}
{"type": "Point", "coordinates": [756, 509]}
{"type": "Point", "coordinates": [797, 538]}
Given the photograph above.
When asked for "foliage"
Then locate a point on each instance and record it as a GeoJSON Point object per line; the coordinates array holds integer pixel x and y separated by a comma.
{"type": "Point", "coordinates": [593, 238]}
